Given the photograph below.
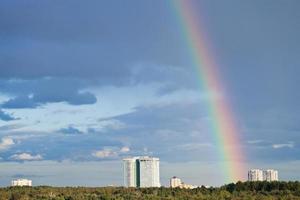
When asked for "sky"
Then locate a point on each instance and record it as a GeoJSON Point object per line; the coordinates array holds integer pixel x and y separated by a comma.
{"type": "Point", "coordinates": [84, 84]}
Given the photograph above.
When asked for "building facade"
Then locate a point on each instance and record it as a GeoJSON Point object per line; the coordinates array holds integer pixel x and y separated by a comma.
{"type": "Point", "coordinates": [129, 172]}
{"type": "Point", "coordinates": [260, 175]}
{"type": "Point", "coordinates": [175, 182]}
{"type": "Point", "coordinates": [270, 175]}
{"type": "Point", "coordinates": [188, 186]}
{"type": "Point", "coordinates": [141, 172]}
{"type": "Point", "coordinates": [21, 182]}
{"type": "Point", "coordinates": [255, 175]}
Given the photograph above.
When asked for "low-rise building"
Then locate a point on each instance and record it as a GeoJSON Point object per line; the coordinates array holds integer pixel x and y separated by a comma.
{"type": "Point", "coordinates": [270, 175]}
{"type": "Point", "coordinates": [21, 182]}
{"type": "Point", "coordinates": [188, 186]}
{"type": "Point", "coordinates": [255, 175]}
{"type": "Point", "coordinates": [176, 182]}
{"type": "Point", "coordinates": [262, 175]}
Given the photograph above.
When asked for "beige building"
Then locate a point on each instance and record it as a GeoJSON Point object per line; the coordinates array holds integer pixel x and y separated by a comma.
{"type": "Point", "coordinates": [188, 186]}
{"type": "Point", "coordinates": [21, 182]}
{"type": "Point", "coordinates": [176, 182]}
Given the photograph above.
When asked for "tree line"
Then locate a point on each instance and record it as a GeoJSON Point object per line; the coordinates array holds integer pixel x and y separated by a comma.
{"type": "Point", "coordinates": [238, 191]}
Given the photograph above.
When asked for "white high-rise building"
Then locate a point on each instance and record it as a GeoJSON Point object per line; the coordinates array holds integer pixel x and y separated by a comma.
{"type": "Point", "coordinates": [21, 182]}
{"type": "Point", "coordinates": [255, 175]}
{"type": "Point", "coordinates": [129, 172]}
{"type": "Point", "coordinates": [149, 171]}
{"type": "Point", "coordinates": [270, 175]}
{"type": "Point", "coordinates": [141, 172]}
{"type": "Point", "coordinates": [175, 182]}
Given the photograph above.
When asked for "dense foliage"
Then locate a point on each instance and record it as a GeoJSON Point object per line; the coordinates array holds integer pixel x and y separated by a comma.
{"type": "Point", "coordinates": [246, 190]}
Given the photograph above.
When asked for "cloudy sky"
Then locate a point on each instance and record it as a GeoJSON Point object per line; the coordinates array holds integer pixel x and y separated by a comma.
{"type": "Point", "coordinates": [85, 83]}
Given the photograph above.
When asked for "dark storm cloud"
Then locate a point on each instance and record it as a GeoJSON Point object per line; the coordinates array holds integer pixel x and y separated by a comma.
{"type": "Point", "coordinates": [50, 20]}
{"type": "Point", "coordinates": [31, 93]}
{"type": "Point", "coordinates": [80, 39]}
{"type": "Point", "coordinates": [79, 44]}
{"type": "Point", "coordinates": [20, 102]}
{"type": "Point", "coordinates": [175, 115]}
{"type": "Point", "coordinates": [6, 117]}
{"type": "Point", "coordinates": [34, 59]}
{"type": "Point", "coordinates": [34, 93]}
{"type": "Point", "coordinates": [70, 130]}
{"type": "Point", "coordinates": [173, 77]}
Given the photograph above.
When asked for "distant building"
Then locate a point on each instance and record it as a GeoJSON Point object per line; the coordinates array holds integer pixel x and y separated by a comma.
{"type": "Point", "coordinates": [148, 172]}
{"type": "Point", "coordinates": [21, 182]}
{"type": "Point", "coordinates": [141, 171]}
{"type": "Point", "coordinates": [188, 186]}
{"type": "Point", "coordinates": [175, 182]}
{"type": "Point", "coordinates": [270, 175]}
{"type": "Point", "coordinates": [130, 172]}
{"type": "Point", "coordinates": [260, 175]}
{"type": "Point", "coordinates": [255, 175]}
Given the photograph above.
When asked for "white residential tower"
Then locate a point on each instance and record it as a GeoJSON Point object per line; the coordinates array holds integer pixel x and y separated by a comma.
{"type": "Point", "coordinates": [255, 175]}
{"type": "Point", "coordinates": [260, 175]}
{"type": "Point", "coordinates": [271, 175]}
{"type": "Point", "coordinates": [129, 172]}
{"type": "Point", "coordinates": [141, 171]}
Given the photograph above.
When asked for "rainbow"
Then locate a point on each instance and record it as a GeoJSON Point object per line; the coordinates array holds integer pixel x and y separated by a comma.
{"type": "Point", "coordinates": [224, 127]}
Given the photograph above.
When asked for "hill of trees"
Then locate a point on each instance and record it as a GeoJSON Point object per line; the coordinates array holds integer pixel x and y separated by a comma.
{"type": "Point", "coordinates": [246, 190]}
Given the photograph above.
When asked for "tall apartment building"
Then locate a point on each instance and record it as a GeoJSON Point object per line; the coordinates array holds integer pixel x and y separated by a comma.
{"type": "Point", "coordinates": [130, 172]}
{"type": "Point", "coordinates": [270, 175]}
{"type": "Point", "coordinates": [255, 175]}
{"type": "Point", "coordinates": [21, 182]}
{"type": "Point", "coordinates": [141, 171]}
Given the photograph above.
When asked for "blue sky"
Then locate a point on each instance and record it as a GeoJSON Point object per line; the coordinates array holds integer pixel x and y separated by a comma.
{"type": "Point", "coordinates": [84, 84]}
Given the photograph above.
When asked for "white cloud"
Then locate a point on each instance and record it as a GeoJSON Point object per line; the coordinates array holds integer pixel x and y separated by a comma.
{"type": "Point", "coordinates": [106, 153]}
{"type": "Point", "coordinates": [284, 145]}
{"type": "Point", "coordinates": [125, 149]}
{"type": "Point", "coordinates": [26, 157]}
{"type": "Point", "coordinates": [110, 152]}
{"type": "Point", "coordinates": [6, 143]}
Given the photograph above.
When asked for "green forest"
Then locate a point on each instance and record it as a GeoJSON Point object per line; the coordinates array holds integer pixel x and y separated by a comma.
{"type": "Point", "coordinates": [239, 190]}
